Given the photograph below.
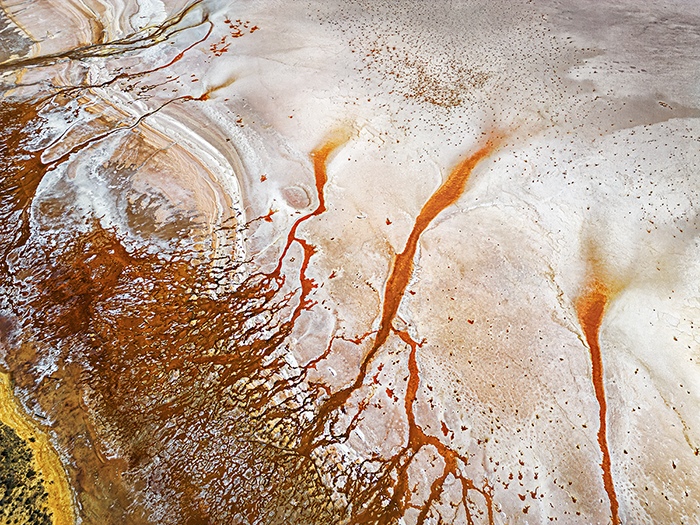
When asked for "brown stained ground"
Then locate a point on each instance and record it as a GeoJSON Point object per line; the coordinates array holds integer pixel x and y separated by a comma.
{"type": "Point", "coordinates": [171, 393]}
{"type": "Point", "coordinates": [148, 358]}
{"type": "Point", "coordinates": [590, 308]}
{"type": "Point", "coordinates": [20, 179]}
{"type": "Point", "coordinates": [168, 381]}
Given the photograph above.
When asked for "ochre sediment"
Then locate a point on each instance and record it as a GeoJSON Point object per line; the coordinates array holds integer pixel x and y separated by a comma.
{"type": "Point", "coordinates": [50, 468]}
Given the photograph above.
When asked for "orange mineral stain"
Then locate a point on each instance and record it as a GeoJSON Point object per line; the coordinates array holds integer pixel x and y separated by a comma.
{"type": "Point", "coordinates": [115, 314]}
{"type": "Point", "coordinates": [446, 195]}
{"type": "Point", "coordinates": [397, 486]}
{"type": "Point", "coordinates": [320, 158]}
{"type": "Point", "coordinates": [590, 308]}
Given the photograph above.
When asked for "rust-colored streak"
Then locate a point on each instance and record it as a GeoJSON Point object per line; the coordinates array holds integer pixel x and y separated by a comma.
{"type": "Point", "coordinates": [320, 158]}
{"type": "Point", "coordinates": [446, 195]}
{"type": "Point", "coordinates": [418, 438]}
{"type": "Point", "coordinates": [590, 308]}
{"type": "Point", "coordinates": [397, 483]}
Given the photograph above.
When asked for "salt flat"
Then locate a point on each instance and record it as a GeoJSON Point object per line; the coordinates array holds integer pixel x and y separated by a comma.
{"type": "Point", "coordinates": [358, 262]}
